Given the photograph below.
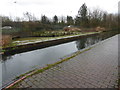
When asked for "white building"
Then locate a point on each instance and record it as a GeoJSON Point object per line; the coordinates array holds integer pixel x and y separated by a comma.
{"type": "Point", "coordinates": [7, 27]}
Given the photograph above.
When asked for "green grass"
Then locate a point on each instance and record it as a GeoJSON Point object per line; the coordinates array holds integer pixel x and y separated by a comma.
{"type": "Point", "coordinates": [22, 41]}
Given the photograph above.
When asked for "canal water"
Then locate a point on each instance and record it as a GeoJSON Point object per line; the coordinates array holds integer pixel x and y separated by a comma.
{"type": "Point", "coordinates": [17, 64]}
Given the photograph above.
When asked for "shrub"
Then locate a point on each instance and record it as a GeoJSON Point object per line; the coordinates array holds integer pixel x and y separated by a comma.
{"type": "Point", "coordinates": [5, 40]}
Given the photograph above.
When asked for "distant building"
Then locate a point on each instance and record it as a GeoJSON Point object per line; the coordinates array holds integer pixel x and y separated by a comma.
{"type": "Point", "coordinates": [7, 27]}
{"type": "Point", "coordinates": [70, 26]}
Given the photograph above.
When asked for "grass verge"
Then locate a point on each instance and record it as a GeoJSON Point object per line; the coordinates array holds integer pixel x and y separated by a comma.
{"type": "Point", "coordinates": [29, 40]}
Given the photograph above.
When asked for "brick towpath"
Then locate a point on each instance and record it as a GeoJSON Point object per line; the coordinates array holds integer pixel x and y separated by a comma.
{"type": "Point", "coordinates": [95, 68]}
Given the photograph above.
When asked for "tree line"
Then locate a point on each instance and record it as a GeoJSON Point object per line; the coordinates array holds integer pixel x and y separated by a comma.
{"type": "Point", "coordinates": [85, 18]}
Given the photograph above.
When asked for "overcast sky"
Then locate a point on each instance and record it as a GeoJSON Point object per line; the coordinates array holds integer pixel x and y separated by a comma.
{"type": "Point", "coordinates": [53, 7]}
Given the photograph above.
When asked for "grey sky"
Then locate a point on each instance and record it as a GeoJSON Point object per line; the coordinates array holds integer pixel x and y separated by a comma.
{"type": "Point", "coordinates": [53, 7]}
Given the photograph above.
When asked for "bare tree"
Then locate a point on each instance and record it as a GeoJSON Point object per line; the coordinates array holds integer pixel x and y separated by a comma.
{"type": "Point", "coordinates": [29, 17]}
{"type": "Point", "coordinates": [96, 17]}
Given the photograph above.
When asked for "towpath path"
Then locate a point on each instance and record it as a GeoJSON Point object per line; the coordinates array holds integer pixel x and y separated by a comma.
{"type": "Point", "coordinates": [95, 68]}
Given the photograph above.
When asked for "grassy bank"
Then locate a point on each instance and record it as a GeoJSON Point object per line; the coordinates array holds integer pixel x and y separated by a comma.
{"type": "Point", "coordinates": [21, 43]}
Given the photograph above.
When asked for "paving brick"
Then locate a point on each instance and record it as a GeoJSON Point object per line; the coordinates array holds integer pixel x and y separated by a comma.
{"type": "Point", "coordinates": [96, 68]}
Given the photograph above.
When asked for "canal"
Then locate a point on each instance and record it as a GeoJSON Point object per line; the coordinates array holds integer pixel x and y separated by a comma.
{"type": "Point", "coordinates": [17, 64]}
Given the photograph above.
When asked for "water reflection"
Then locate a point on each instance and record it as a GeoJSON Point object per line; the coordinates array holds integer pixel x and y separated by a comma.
{"type": "Point", "coordinates": [86, 42]}
{"type": "Point", "coordinates": [6, 58]}
{"type": "Point", "coordinates": [81, 43]}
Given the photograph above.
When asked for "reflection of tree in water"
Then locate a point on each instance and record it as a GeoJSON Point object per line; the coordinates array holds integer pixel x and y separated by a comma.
{"type": "Point", "coordinates": [4, 58]}
{"type": "Point", "coordinates": [106, 35]}
{"type": "Point", "coordinates": [85, 42]}
{"type": "Point", "coordinates": [80, 44]}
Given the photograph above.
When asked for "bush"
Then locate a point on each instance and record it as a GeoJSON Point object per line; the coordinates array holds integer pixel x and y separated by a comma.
{"type": "Point", "coordinates": [5, 40]}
